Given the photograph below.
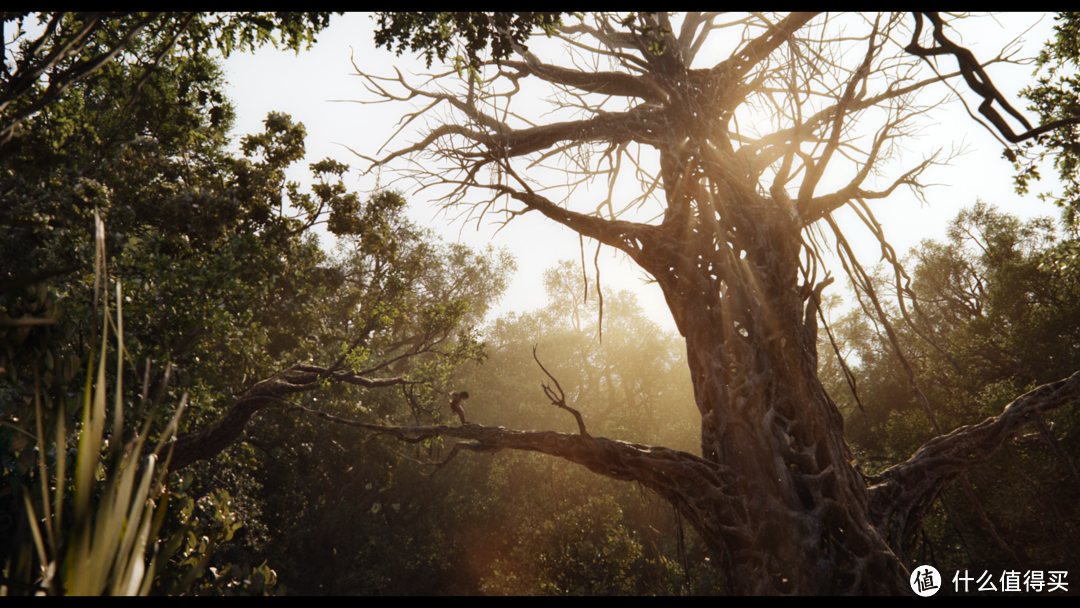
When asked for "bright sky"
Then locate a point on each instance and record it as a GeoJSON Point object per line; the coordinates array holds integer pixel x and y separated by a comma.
{"type": "Point", "coordinates": [306, 87]}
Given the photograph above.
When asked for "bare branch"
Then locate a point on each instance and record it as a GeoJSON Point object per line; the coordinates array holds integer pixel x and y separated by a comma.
{"type": "Point", "coordinates": [604, 83]}
{"type": "Point", "coordinates": [660, 469]}
{"type": "Point", "coordinates": [815, 170]}
{"type": "Point", "coordinates": [560, 400]}
{"type": "Point", "coordinates": [979, 81]}
{"type": "Point", "coordinates": [758, 49]}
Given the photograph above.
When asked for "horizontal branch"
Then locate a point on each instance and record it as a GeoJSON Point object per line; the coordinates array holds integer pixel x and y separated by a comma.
{"type": "Point", "coordinates": [908, 486]}
{"type": "Point", "coordinates": [639, 124]}
{"type": "Point", "coordinates": [661, 469]}
{"type": "Point", "coordinates": [208, 443]}
{"type": "Point", "coordinates": [621, 234]}
{"type": "Point", "coordinates": [606, 83]}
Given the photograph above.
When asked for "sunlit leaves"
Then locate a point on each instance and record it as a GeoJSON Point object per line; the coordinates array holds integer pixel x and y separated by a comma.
{"type": "Point", "coordinates": [1056, 97]}
{"type": "Point", "coordinates": [436, 34]}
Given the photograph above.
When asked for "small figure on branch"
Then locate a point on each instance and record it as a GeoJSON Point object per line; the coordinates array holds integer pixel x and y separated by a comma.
{"type": "Point", "coordinates": [455, 404]}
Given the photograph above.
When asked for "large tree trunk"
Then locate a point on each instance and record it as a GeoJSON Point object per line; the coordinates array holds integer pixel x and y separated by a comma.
{"type": "Point", "coordinates": [800, 520]}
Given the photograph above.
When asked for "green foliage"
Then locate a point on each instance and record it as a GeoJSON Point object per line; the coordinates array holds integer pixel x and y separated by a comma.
{"type": "Point", "coordinates": [574, 549]}
{"type": "Point", "coordinates": [213, 248]}
{"type": "Point", "coordinates": [246, 31]}
{"type": "Point", "coordinates": [114, 518]}
{"type": "Point", "coordinates": [198, 527]}
{"type": "Point", "coordinates": [225, 286]}
{"type": "Point", "coordinates": [104, 514]}
{"type": "Point", "coordinates": [52, 52]}
{"type": "Point", "coordinates": [342, 513]}
{"type": "Point", "coordinates": [434, 34]}
{"type": "Point", "coordinates": [565, 532]}
{"type": "Point", "coordinates": [1056, 97]}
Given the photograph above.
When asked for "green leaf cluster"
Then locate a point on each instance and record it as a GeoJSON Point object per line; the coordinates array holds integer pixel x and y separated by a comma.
{"type": "Point", "coordinates": [1056, 96]}
{"type": "Point", "coordinates": [436, 34]}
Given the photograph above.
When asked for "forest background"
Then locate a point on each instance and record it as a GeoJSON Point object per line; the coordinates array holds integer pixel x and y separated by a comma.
{"type": "Point", "coordinates": [225, 284]}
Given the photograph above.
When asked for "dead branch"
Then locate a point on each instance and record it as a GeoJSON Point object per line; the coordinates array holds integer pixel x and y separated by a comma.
{"type": "Point", "coordinates": [979, 81]}
{"type": "Point", "coordinates": [560, 401]}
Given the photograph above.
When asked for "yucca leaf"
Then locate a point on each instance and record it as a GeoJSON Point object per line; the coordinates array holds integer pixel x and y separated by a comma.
{"type": "Point", "coordinates": [126, 554]}
{"type": "Point", "coordinates": [106, 548]}
{"type": "Point", "coordinates": [34, 528]}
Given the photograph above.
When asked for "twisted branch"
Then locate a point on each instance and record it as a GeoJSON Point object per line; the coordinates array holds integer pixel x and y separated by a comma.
{"type": "Point", "coordinates": [560, 401]}
{"type": "Point", "coordinates": [979, 81]}
{"type": "Point", "coordinates": [902, 491]}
